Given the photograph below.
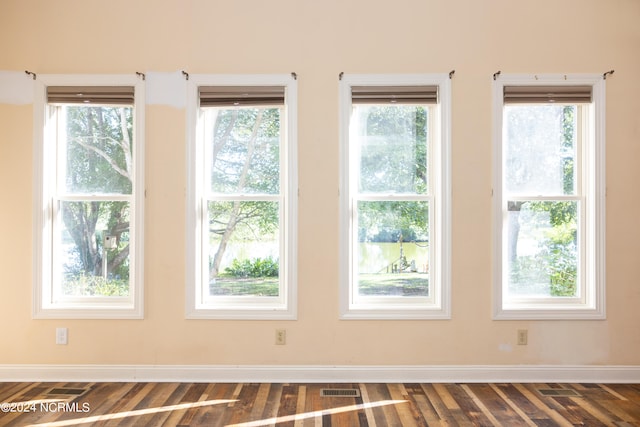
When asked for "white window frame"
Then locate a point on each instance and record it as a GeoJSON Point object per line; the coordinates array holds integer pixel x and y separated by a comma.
{"type": "Point", "coordinates": [590, 303]}
{"type": "Point", "coordinates": [438, 304]}
{"type": "Point", "coordinates": [198, 304]}
{"type": "Point", "coordinates": [45, 306]}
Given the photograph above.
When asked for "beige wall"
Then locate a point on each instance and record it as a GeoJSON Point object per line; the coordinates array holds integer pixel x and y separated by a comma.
{"type": "Point", "coordinates": [318, 40]}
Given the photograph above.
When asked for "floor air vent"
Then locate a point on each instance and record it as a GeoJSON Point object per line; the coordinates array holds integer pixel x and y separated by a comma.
{"type": "Point", "coordinates": [67, 391]}
{"type": "Point", "coordinates": [339, 392]}
{"type": "Point", "coordinates": [558, 392]}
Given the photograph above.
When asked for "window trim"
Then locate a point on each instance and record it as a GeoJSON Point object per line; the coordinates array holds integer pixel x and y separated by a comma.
{"type": "Point", "coordinates": [131, 307]}
{"type": "Point", "coordinates": [196, 308]}
{"type": "Point", "coordinates": [592, 305]}
{"type": "Point", "coordinates": [384, 308]}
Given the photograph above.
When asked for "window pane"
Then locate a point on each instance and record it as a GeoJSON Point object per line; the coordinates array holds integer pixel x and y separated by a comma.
{"type": "Point", "coordinates": [392, 148]}
{"type": "Point", "coordinates": [98, 149]}
{"type": "Point", "coordinates": [244, 248]}
{"type": "Point", "coordinates": [542, 248]}
{"type": "Point", "coordinates": [540, 149]}
{"type": "Point", "coordinates": [93, 249]}
{"type": "Point", "coordinates": [393, 248]}
{"type": "Point", "coordinates": [245, 152]}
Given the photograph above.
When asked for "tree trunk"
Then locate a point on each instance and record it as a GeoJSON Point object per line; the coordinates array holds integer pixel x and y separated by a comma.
{"type": "Point", "coordinates": [125, 144]}
{"type": "Point", "coordinates": [118, 259]}
{"type": "Point", "coordinates": [80, 220]}
{"type": "Point", "coordinates": [224, 240]}
{"type": "Point", "coordinates": [514, 229]}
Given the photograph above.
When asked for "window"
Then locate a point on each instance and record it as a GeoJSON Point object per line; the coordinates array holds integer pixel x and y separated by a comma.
{"type": "Point", "coordinates": [242, 197]}
{"type": "Point", "coordinates": [549, 197]}
{"type": "Point", "coordinates": [89, 197]}
{"type": "Point", "coordinates": [395, 236]}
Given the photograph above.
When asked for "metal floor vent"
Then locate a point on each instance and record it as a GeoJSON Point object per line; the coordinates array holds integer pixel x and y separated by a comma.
{"type": "Point", "coordinates": [67, 391]}
{"type": "Point", "coordinates": [558, 392]}
{"type": "Point", "coordinates": [339, 392]}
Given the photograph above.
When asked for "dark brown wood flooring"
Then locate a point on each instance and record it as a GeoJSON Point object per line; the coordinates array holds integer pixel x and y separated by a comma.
{"type": "Point", "coordinates": [263, 404]}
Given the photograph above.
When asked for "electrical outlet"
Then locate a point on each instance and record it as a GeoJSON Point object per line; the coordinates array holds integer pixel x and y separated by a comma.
{"type": "Point", "coordinates": [523, 337]}
{"type": "Point", "coordinates": [281, 336]}
{"type": "Point", "coordinates": [62, 336]}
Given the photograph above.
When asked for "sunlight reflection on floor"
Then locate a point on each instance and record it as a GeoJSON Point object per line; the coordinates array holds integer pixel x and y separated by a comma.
{"type": "Point", "coordinates": [183, 406]}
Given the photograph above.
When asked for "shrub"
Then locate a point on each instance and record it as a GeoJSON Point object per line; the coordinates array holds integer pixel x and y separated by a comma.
{"type": "Point", "coordinates": [87, 285]}
{"type": "Point", "coordinates": [257, 267]}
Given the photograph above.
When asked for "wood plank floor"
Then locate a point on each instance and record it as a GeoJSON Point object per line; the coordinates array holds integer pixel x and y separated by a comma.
{"type": "Point", "coordinates": [300, 405]}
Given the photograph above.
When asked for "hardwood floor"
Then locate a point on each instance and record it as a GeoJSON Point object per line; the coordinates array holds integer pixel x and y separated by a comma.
{"type": "Point", "coordinates": [381, 405]}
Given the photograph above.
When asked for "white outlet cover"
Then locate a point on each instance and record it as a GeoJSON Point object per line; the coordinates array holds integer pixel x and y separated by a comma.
{"type": "Point", "coordinates": [61, 336]}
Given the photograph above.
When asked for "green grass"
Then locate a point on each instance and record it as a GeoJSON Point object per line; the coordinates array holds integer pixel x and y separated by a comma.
{"type": "Point", "coordinates": [249, 286]}
{"type": "Point", "coordinates": [398, 284]}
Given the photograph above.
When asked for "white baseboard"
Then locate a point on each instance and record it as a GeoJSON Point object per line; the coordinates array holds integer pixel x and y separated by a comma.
{"type": "Point", "coordinates": [316, 374]}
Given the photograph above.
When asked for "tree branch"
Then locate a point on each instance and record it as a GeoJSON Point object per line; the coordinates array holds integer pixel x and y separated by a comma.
{"type": "Point", "coordinates": [104, 155]}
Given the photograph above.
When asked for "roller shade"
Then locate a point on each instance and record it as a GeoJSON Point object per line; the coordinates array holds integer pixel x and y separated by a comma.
{"type": "Point", "coordinates": [112, 95]}
{"type": "Point", "coordinates": [234, 96]}
{"type": "Point", "coordinates": [547, 94]}
{"type": "Point", "coordinates": [394, 94]}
